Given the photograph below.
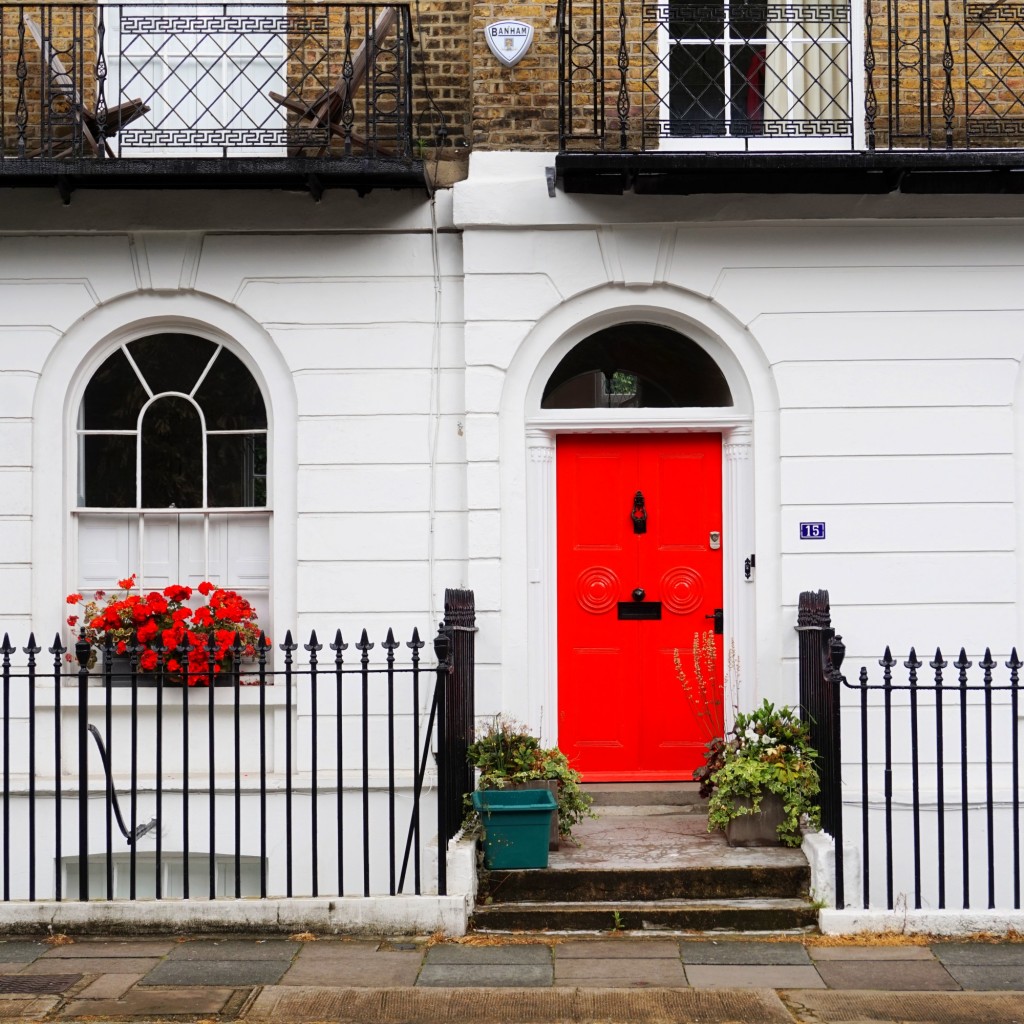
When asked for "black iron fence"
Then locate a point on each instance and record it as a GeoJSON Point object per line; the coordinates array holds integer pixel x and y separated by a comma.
{"type": "Point", "coordinates": [929, 773]}
{"type": "Point", "coordinates": [932, 74]}
{"type": "Point", "coordinates": [275, 80]}
{"type": "Point", "coordinates": [298, 774]}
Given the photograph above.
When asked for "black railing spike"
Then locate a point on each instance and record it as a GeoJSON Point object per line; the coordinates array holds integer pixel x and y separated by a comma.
{"type": "Point", "coordinates": [57, 649]}
{"type": "Point", "coordinates": [339, 644]}
{"type": "Point", "coordinates": [313, 646]}
{"type": "Point", "coordinates": [7, 648]}
{"type": "Point", "coordinates": [415, 643]}
{"type": "Point", "coordinates": [963, 663]}
{"type": "Point", "coordinates": [364, 643]}
{"type": "Point", "coordinates": [987, 665]}
{"type": "Point", "coordinates": [913, 663]}
{"type": "Point", "coordinates": [1014, 665]}
{"type": "Point", "coordinates": [390, 643]}
{"type": "Point", "coordinates": [937, 665]}
{"type": "Point", "coordinates": [887, 661]}
{"type": "Point", "coordinates": [289, 645]}
{"type": "Point", "coordinates": [863, 675]}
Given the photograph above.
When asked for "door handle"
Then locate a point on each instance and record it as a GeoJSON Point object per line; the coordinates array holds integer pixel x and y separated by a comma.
{"type": "Point", "coordinates": [719, 617]}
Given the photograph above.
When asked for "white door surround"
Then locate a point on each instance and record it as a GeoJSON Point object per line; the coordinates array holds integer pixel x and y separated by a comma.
{"type": "Point", "coordinates": [529, 512]}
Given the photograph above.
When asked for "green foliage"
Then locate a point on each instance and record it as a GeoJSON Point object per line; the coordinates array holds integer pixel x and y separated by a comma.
{"type": "Point", "coordinates": [506, 754]}
{"type": "Point", "coordinates": [767, 750]}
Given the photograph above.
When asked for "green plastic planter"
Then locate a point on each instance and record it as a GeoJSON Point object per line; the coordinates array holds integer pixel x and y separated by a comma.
{"type": "Point", "coordinates": [516, 826]}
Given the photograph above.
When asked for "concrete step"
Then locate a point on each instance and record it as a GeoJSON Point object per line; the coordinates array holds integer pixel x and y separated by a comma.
{"type": "Point", "coordinates": [644, 794]}
{"type": "Point", "coordinates": [583, 885]}
{"type": "Point", "coordinates": [741, 915]}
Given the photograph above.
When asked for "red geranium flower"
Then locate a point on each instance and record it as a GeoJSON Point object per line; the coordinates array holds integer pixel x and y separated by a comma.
{"type": "Point", "coordinates": [166, 621]}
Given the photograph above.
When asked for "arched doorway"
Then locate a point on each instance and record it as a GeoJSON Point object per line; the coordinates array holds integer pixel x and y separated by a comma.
{"type": "Point", "coordinates": [639, 559]}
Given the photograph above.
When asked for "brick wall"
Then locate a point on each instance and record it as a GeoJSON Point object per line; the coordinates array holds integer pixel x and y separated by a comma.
{"type": "Point", "coordinates": [515, 108]}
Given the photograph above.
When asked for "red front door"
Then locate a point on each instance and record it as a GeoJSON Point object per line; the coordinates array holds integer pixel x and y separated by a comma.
{"type": "Point", "coordinates": [639, 580]}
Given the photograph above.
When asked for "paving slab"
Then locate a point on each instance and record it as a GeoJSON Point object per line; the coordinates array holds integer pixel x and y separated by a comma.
{"type": "Point", "coordinates": [999, 954]}
{"type": "Point", "coordinates": [485, 976]}
{"type": "Point", "coordinates": [610, 949]}
{"type": "Point", "coordinates": [215, 972]}
{"type": "Point", "coordinates": [484, 1006]}
{"type": "Point", "coordinates": [142, 1002]}
{"type": "Point", "coordinates": [887, 975]}
{"type": "Point", "coordinates": [93, 965]}
{"type": "Point", "coordinates": [988, 978]}
{"type": "Point", "coordinates": [753, 976]}
{"type": "Point", "coordinates": [235, 949]}
{"type": "Point", "coordinates": [92, 948]}
{"type": "Point", "coordinates": [17, 951]}
{"type": "Point", "coordinates": [659, 973]}
{"type": "Point", "coordinates": [334, 948]}
{"type": "Point", "coordinates": [385, 970]}
{"type": "Point", "coordinates": [739, 952]}
{"type": "Point", "coordinates": [905, 1007]}
{"type": "Point", "coordinates": [109, 986]}
{"type": "Point", "coordinates": [870, 953]}
{"type": "Point", "coordinates": [454, 953]}
{"type": "Point", "coordinates": [14, 968]}
{"type": "Point", "coordinates": [27, 1007]}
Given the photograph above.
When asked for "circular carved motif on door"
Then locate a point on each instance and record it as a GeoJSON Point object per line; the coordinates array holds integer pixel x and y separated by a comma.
{"type": "Point", "coordinates": [597, 589]}
{"type": "Point", "coordinates": [682, 590]}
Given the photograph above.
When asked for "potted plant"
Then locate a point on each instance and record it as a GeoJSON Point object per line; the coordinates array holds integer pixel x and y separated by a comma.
{"type": "Point", "coordinates": [508, 756]}
{"type": "Point", "coordinates": [191, 644]}
{"type": "Point", "coordinates": [763, 782]}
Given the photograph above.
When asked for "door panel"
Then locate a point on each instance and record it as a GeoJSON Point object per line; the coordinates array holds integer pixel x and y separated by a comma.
{"type": "Point", "coordinates": [622, 711]}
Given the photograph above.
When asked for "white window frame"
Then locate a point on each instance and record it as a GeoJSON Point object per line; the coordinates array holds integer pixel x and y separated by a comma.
{"type": "Point", "coordinates": [71, 364]}
{"type": "Point", "coordinates": [759, 143]}
{"type": "Point", "coordinates": [217, 518]}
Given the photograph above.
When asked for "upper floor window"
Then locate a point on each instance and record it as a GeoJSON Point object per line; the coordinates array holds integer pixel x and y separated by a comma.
{"type": "Point", "coordinates": [637, 366]}
{"type": "Point", "coordinates": [747, 71]}
{"type": "Point", "coordinates": [172, 469]}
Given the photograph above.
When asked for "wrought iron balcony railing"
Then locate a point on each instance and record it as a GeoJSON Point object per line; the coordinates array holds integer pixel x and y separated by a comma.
{"type": "Point", "coordinates": [811, 75]}
{"type": "Point", "coordinates": [102, 82]}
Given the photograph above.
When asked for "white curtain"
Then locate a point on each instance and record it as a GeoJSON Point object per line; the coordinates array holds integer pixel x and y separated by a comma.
{"type": "Point", "coordinates": [807, 71]}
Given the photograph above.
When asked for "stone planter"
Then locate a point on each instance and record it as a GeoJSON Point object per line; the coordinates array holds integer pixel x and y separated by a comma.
{"type": "Point", "coordinates": [759, 828]}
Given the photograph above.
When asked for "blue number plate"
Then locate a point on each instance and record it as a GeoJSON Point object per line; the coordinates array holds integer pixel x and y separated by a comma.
{"type": "Point", "coordinates": [812, 531]}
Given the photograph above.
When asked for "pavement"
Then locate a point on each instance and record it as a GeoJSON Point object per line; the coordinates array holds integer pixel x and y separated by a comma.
{"type": "Point", "coordinates": [798, 979]}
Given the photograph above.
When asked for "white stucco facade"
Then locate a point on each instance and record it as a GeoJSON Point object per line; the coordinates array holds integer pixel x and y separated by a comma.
{"type": "Point", "coordinates": [872, 348]}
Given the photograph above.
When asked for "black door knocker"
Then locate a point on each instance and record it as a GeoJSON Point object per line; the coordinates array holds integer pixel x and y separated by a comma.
{"type": "Point", "coordinates": [639, 513]}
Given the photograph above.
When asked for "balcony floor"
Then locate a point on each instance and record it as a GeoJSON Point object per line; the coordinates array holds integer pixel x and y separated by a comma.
{"type": "Point", "coordinates": [312, 174]}
{"type": "Point", "coordinates": [920, 172]}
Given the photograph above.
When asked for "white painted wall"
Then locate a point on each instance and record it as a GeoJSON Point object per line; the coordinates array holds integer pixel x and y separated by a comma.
{"type": "Point", "coordinates": [873, 345]}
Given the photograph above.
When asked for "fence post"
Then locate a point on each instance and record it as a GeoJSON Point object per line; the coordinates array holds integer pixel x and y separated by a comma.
{"type": "Point", "coordinates": [821, 656]}
{"type": "Point", "coordinates": [830, 759]}
{"type": "Point", "coordinates": [460, 626]}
